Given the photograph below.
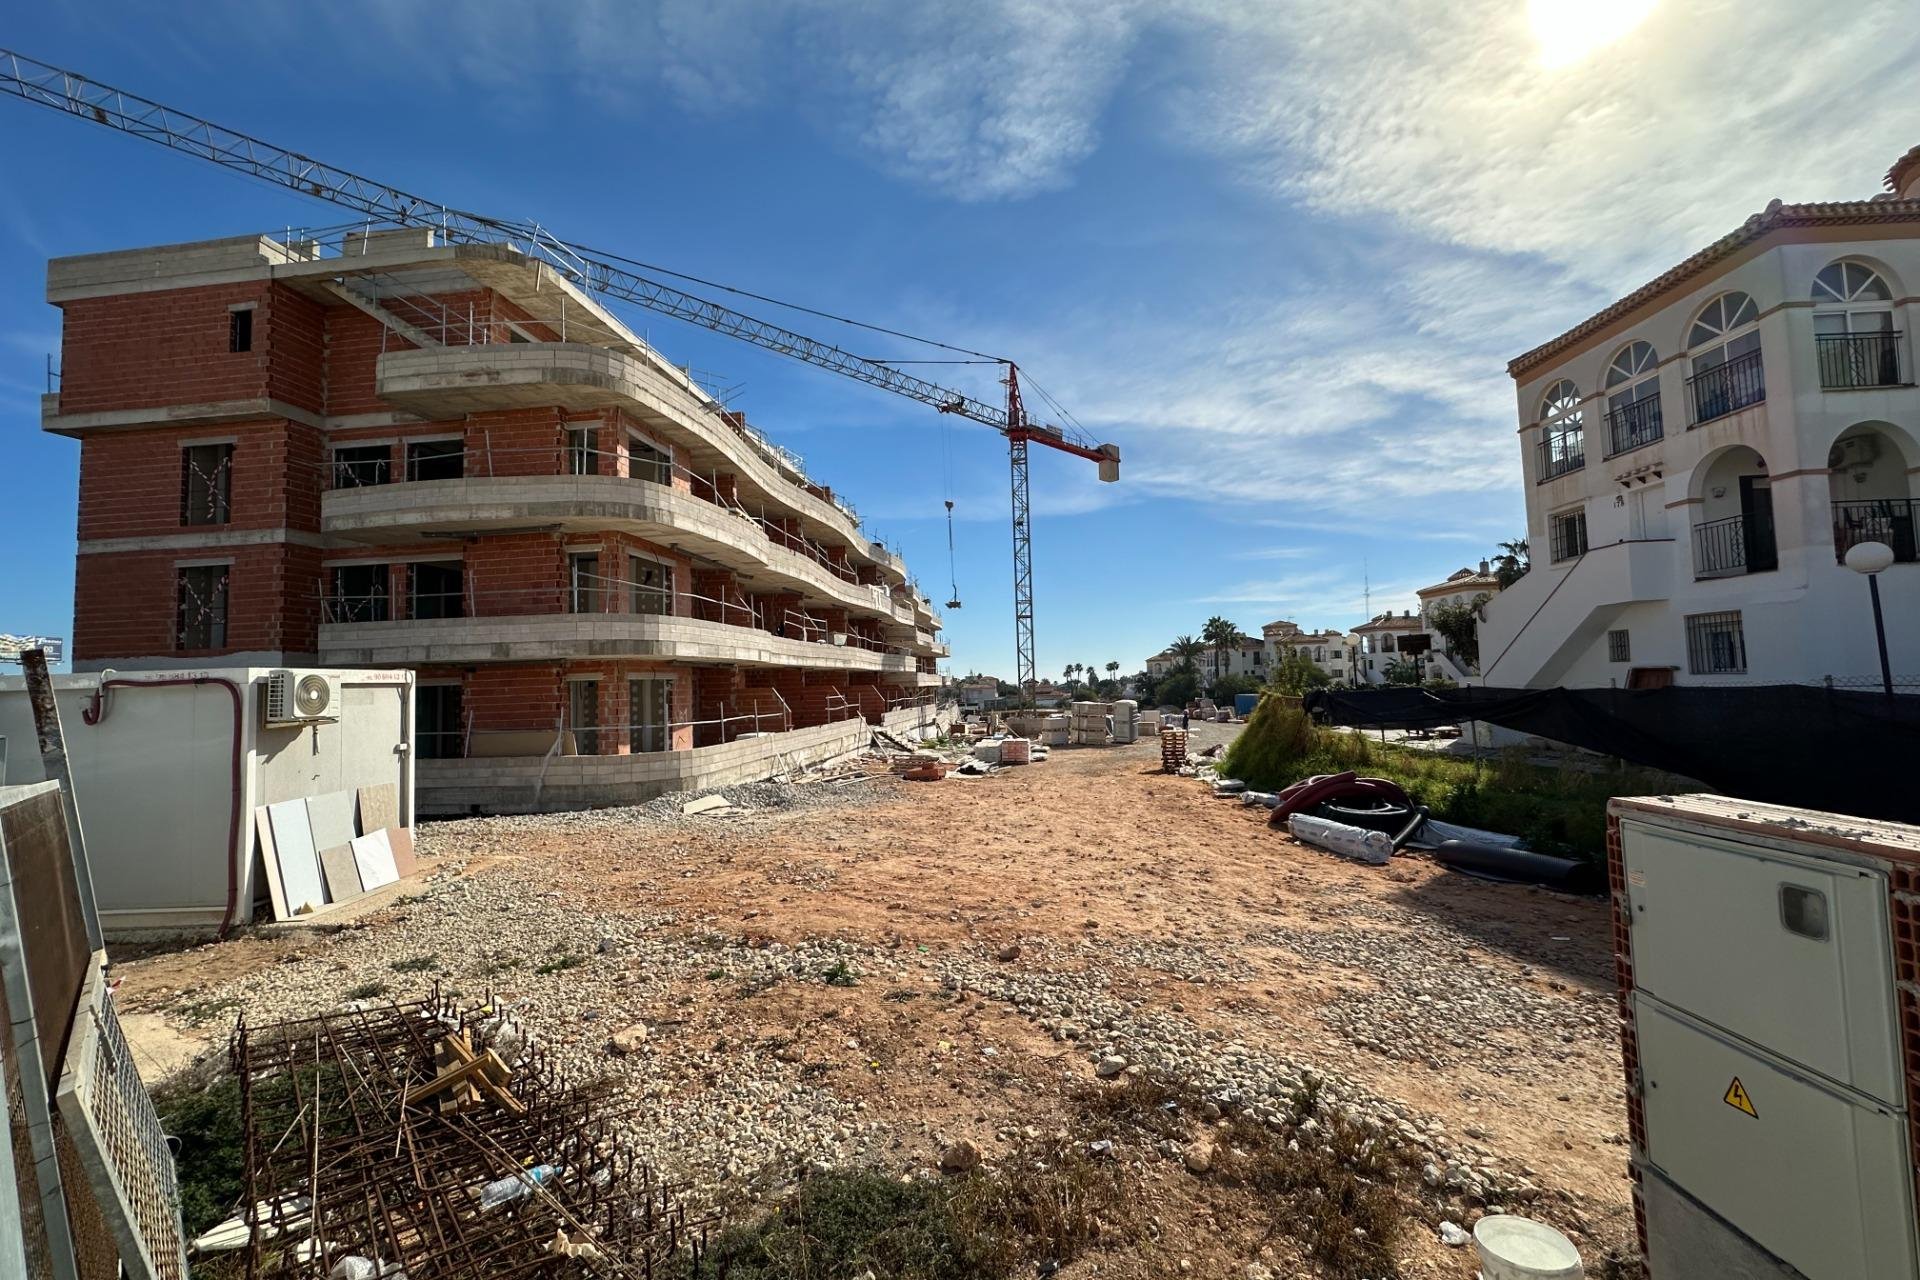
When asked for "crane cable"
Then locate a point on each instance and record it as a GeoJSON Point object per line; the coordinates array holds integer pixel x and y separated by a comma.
{"type": "Point", "coordinates": [946, 483]}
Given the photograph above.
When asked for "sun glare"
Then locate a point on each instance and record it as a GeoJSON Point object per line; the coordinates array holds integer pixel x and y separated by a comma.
{"type": "Point", "coordinates": [1569, 30]}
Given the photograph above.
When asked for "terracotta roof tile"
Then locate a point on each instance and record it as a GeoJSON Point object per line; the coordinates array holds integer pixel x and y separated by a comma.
{"type": "Point", "coordinates": [1903, 168]}
{"type": "Point", "coordinates": [1777, 216]}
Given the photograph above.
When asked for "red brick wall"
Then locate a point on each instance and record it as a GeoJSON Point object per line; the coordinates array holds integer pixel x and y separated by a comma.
{"type": "Point", "coordinates": [124, 602]}
{"type": "Point", "coordinates": [143, 350]}
{"type": "Point", "coordinates": [516, 442]}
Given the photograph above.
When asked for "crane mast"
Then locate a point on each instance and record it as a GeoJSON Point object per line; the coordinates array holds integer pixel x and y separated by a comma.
{"type": "Point", "coordinates": [72, 94]}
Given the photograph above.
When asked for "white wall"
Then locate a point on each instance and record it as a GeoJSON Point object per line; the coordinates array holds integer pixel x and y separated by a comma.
{"type": "Point", "coordinates": [1803, 621]}
{"type": "Point", "coordinates": [153, 780]}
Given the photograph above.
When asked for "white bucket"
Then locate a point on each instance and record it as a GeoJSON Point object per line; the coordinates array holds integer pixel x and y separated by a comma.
{"type": "Point", "coordinates": [1516, 1248]}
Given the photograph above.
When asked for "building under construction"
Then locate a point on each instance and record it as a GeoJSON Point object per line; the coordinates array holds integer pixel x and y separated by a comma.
{"type": "Point", "coordinates": [372, 448]}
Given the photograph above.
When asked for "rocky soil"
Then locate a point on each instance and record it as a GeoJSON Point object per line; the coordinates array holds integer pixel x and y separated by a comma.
{"type": "Point", "coordinates": [874, 972]}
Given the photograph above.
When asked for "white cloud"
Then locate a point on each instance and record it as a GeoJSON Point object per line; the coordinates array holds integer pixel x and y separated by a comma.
{"type": "Point", "coordinates": [1442, 118]}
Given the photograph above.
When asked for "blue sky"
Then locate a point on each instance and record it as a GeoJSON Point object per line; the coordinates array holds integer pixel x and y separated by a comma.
{"type": "Point", "coordinates": [1279, 253]}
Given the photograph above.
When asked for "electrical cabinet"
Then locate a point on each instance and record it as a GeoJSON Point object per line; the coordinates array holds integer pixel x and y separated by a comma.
{"type": "Point", "coordinates": [1765, 1050]}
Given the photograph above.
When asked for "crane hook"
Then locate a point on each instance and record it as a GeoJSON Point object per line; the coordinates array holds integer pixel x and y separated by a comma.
{"type": "Point", "coordinates": [953, 585]}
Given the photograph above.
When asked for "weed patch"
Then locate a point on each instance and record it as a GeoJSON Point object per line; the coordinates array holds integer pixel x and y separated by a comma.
{"type": "Point", "coordinates": [840, 975]}
{"type": "Point", "coordinates": [367, 991]}
{"type": "Point", "coordinates": [415, 964]}
{"type": "Point", "coordinates": [560, 963]}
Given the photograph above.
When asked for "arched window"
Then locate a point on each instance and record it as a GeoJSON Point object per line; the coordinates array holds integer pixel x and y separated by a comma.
{"type": "Point", "coordinates": [1853, 327]}
{"type": "Point", "coordinates": [1850, 282]}
{"type": "Point", "coordinates": [1563, 446]}
{"type": "Point", "coordinates": [1633, 398]}
{"type": "Point", "coordinates": [1724, 345]}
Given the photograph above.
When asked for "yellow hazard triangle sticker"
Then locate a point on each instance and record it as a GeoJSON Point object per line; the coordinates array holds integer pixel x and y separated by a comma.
{"type": "Point", "coordinates": [1737, 1098]}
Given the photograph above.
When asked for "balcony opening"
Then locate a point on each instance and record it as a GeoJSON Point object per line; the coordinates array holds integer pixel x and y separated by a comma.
{"type": "Point", "coordinates": [240, 329]}
{"type": "Point", "coordinates": [435, 459]}
{"type": "Point", "coordinates": [1733, 527]}
{"type": "Point", "coordinates": [437, 733]}
{"type": "Point", "coordinates": [1633, 398]}
{"type": "Point", "coordinates": [1562, 444]}
{"type": "Point", "coordinates": [1868, 482]}
{"type": "Point", "coordinates": [651, 585]}
{"type": "Point", "coordinates": [649, 713]}
{"type": "Point", "coordinates": [436, 590]}
{"type": "Point", "coordinates": [583, 582]}
{"type": "Point", "coordinates": [360, 465]}
{"type": "Point", "coordinates": [581, 458]}
{"type": "Point", "coordinates": [206, 484]}
{"type": "Point", "coordinates": [1853, 334]}
{"type": "Point", "coordinates": [200, 613]}
{"type": "Point", "coordinates": [1724, 347]}
{"type": "Point", "coordinates": [361, 593]}
{"type": "Point", "coordinates": [583, 717]}
{"type": "Point", "coordinates": [645, 462]}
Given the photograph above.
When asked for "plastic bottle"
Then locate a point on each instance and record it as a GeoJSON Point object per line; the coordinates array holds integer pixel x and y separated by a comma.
{"type": "Point", "coordinates": [518, 1187]}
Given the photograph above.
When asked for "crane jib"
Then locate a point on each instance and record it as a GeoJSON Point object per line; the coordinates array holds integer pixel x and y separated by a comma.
{"type": "Point", "coordinates": [73, 94]}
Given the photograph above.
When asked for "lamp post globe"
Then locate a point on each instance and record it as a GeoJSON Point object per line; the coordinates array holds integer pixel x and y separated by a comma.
{"type": "Point", "coordinates": [1869, 557]}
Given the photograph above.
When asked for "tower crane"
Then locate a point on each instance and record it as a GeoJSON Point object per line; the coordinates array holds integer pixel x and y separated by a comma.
{"type": "Point", "coordinates": [72, 94]}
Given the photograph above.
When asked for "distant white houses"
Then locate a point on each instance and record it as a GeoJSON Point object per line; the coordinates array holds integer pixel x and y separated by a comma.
{"type": "Point", "coordinates": [976, 691]}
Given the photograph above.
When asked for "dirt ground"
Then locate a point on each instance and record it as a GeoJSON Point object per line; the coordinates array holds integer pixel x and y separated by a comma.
{"type": "Point", "coordinates": [1193, 909]}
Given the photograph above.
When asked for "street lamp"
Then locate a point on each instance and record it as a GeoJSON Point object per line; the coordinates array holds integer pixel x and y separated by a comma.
{"type": "Point", "coordinates": [1869, 558]}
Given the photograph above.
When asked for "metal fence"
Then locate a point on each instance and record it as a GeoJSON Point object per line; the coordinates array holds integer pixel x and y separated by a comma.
{"type": "Point", "coordinates": [1725, 388]}
{"type": "Point", "coordinates": [1850, 360]}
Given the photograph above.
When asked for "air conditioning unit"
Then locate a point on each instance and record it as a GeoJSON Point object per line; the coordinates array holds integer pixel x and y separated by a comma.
{"type": "Point", "coordinates": [300, 697]}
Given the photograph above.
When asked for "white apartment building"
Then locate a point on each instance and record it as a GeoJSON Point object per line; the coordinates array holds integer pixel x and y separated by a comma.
{"type": "Point", "coordinates": [1701, 454]}
{"type": "Point", "coordinates": [1329, 650]}
{"type": "Point", "coordinates": [1388, 638]}
{"type": "Point", "coordinates": [1465, 586]}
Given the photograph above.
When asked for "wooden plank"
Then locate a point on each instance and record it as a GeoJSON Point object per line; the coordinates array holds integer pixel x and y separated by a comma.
{"type": "Point", "coordinates": [379, 808]}
{"type": "Point", "coordinates": [38, 867]}
{"type": "Point", "coordinates": [299, 861]}
{"type": "Point", "coordinates": [473, 1070]}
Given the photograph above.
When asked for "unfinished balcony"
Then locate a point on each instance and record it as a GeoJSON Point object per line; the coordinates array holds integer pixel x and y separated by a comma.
{"type": "Point", "coordinates": [445, 382]}
{"type": "Point", "coordinates": [421, 501]}
{"type": "Point", "coordinates": [603, 619]}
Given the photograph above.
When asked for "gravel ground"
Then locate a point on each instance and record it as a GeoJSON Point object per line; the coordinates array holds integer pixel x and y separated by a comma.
{"type": "Point", "coordinates": [992, 961]}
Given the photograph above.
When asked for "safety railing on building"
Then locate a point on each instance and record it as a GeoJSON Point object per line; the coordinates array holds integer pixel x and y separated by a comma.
{"type": "Point", "coordinates": [1725, 388]}
{"type": "Point", "coordinates": [594, 593]}
{"type": "Point", "coordinates": [1734, 545]}
{"type": "Point", "coordinates": [1632, 425]}
{"type": "Point", "coordinates": [1849, 360]}
{"type": "Point", "coordinates": [360, 466]}
{"type": "Point", "coordinates": [1888, 520]}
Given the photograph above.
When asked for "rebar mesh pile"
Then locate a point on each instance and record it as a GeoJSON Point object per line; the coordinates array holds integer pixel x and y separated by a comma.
{"type": "Point", "coordinates": [340, 1165]}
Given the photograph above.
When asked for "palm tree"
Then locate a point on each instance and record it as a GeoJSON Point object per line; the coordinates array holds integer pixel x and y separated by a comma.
{"type": "Point", "coordinates": [1512, 563]}
{"type": "Point", "coordinates": [1113, 671]}
{"type": "Point", "coordinates": [1066, 672]}
{"type": "Point", "coordinates": [1187, 648]}
{"type": "Point", "coordinates": [1222, 635]}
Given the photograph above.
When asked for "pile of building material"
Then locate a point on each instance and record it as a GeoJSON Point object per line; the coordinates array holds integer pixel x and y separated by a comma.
{"type": "Point", "coordinates": [332, 848]}
{"type": "Point", "coordinates": [1016, 751]}
{"type": "Point", "coordinates": [1056, 730]}
{"type": "Point", "coordinates": [1150, 723]}
{"type": "Point", "coordinates": [1126, 721]}
{"type": "Point", "coordinates": [1089, 723]}
{"type": "Point", "coordinates": [1173, 750]}
{"type": "Point", "coordinates": [427, 1139]}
